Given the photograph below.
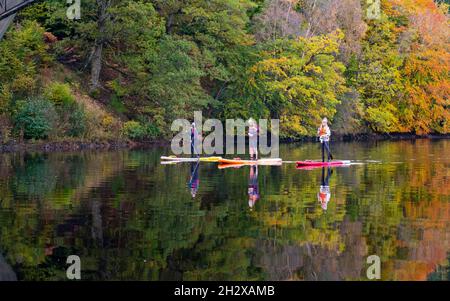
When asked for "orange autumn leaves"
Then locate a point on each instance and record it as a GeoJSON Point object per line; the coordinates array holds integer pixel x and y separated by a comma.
{"type": "Point", "coordinates": [426, 67]}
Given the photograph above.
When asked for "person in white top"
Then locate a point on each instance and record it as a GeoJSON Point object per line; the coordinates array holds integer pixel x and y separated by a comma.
{"type": "Point", "coordinates": [324, 134]}
{"type": "Point", "coordinates": [253, 139]}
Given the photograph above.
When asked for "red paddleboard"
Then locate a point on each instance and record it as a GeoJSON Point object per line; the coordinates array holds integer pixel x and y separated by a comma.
{"type": "Point", "coordinates": [310, 163]}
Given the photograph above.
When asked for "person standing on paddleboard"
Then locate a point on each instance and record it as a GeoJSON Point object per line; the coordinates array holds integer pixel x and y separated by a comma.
{"type": "Point", "coordinates": [324, 134]}
{"type": "Point", "coordinates": [253, 139]}
{"type": "Point", "coordinates": [194, 137]}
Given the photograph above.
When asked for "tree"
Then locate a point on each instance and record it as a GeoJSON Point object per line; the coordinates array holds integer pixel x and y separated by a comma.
{"type": "Point", "coordinates": [169, 85]}
{"type": "Point", "coordinates": [426, 102]}
{"type": "Point", "coordinates": [114, 33]}
{"type": "Point", "coordinates": [307, 18]}
{"type": "Point", "coordinates": [300, 81]}
{"type": "Point", "coordinates": [379, 79]}
{"type": "Point", "coordinates": [219, 29]}
{"type": "Point", "coordinates": [279, 19]}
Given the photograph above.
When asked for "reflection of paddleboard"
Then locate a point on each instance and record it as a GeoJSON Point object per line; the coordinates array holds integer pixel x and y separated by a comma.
{"type": "Point", "coordinates": [275, 161]}
{"type": "Point", "coordinates": [313, 164]}
{"type": "Point", "coordinates": [178, 159]}
{"type": "Point", "coordinates": [239, 165]}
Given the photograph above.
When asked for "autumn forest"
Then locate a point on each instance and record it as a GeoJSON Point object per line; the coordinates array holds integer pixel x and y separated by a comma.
{"type": "Point", "coordinates": [126, 69]}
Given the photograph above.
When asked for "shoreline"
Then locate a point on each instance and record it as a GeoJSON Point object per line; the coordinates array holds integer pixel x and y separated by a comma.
{"type": "Point", "coordinates": [367, 137]}
{"type": "Point", "coordinates": [70, 146]}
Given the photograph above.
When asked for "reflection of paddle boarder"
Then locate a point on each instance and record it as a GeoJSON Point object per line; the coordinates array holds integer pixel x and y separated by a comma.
{"type": "Point", "coordinates": [324, 134]}
{"type": "Point", "coordinates": [194, 181]}
{"type": "Point", "coordinates": [253, 187]}
{"type": "Point", "coordinates": [324, 194]}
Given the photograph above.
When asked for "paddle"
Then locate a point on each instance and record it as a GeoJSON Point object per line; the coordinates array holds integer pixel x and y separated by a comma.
{"type": "Point", "coordinates": [195, 149]}
{"type": "Point", "coordinates": [192, 174]}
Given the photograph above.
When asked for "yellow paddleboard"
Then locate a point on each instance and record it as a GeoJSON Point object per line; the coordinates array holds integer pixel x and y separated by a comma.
{"type": "Point", "coordinates": [211, 159]}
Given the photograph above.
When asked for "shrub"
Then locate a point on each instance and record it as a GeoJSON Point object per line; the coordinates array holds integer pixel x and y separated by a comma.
{"type": "Point", "coordinates": [107, 122]}
{"type": "Point", "coordinates": [36, 118]}
{"type": "Point", "coordinates": [5, 99]}
{"type": "Point", "coordinates": [77, 121]}
{"type": "Point", "coordinates": [59, 94]}
{"type": "Point", "coordinates": [152, 130]}
{"type": "Point", "coordinates": [134, 130]}
{"type": "Point", "coordinates": [117, 105]}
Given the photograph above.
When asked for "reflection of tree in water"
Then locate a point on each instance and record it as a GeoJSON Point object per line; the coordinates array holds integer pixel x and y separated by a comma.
{"type": "Point", "coordinates": [48, 185]}
{"type": "Point", "coordinates": [421, 246]}
{"type": "Point", "coordinates": [34, 176]}
{"type": "Point", "coordinates": [6, 272]}
{"type": "Point", "coordinates": [125, 215]}
{"type": "Point", "coordinates": [309, 261]}
{"type": "Point", "coordinates": [442, 272]}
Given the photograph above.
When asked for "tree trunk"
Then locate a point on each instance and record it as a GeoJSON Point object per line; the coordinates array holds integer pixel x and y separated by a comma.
{"type": "Point", "coordinates": [96, 66]}
{"type": "Point", "coordinates": [97, 52]}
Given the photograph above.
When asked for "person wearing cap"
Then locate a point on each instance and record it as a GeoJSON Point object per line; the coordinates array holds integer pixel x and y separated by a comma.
{"type": "Point", "coordinates": [324, 134]}
{"type": "Point", "coordinates": [253, 139]}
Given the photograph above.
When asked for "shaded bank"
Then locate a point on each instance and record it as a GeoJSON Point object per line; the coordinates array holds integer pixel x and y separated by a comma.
{"type": "Point", "coordinates": [372, 137]}
{"type": "Point", "coordinates": [69, 146]}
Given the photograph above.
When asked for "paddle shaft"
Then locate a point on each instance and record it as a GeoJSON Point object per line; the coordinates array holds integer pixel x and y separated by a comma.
{"type": "Point", "coordinates": [193, 173]}
{"type": "Point", "coordinates": [194, 148]}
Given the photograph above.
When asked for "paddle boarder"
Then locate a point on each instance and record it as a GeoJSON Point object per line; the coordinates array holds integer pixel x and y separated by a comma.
{"type": "Point", "coordinates": [194, 137]}
{"type": "Point", "coordinates": [324, 134]}
{"type": "Point", "coordinates": [253, 139]}
{"type": "Point", "coordinates": [324, 194]}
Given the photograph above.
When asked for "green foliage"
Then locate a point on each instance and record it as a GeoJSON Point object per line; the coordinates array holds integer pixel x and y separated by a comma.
{"type": "Point", "coordinates": [5, 98]}
{"type": "Point", "coordinates": [140, 130]}
{"type": "Point", "coordinates": [134, 130]}
{"type": "Point", "coordinates": [51, 14]}
{"type": "Point", "coordinates": [379, 79]}
{"type": "Point", "coordinates": [22, 52]}
{"type": "Point", "coordinates": [151, 130]}
{"type": "Point", "coordinates": [59, 94]}
{"type": "Point", "coordinates": [77, 121]}
{"type": "Point", "coordinates": [382, 120]}
{"type": "Point", "coordinates": [218, 27]}
{"type": "Point", "coordinates": [175, 78]}
{"type": "Point", "coordinates": [117, 105]}
{"type": "Point", "coordinates": [348, 118]}
{"type": "Point", "coordinates": [35, 118]}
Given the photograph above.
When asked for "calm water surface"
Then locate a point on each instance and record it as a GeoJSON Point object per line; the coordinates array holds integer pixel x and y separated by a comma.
{"type": "Point", "coordinates": [129, 217]}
